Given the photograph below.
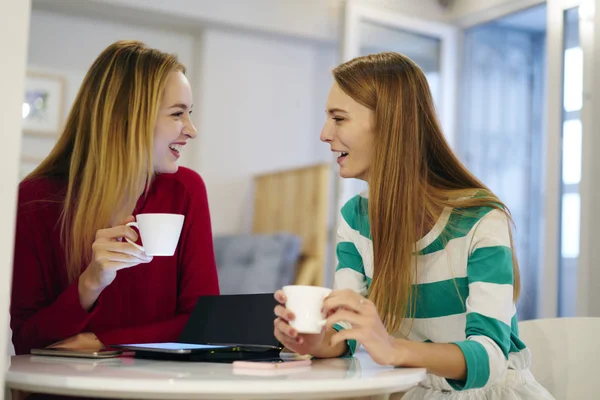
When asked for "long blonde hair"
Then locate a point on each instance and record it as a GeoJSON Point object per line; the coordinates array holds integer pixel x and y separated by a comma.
{"type": "Point", "coordinates": [105, 149]}
{"type": "Point", "coordinates": [413, 175]}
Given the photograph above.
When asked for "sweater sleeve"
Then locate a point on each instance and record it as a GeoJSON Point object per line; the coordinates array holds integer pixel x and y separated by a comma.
{"type": "Point", "coordinates": [40, 317]}
{"type": "Point", "coordinates": [490, 305]}
{"type": "Point", "coordinates": [197, 272]}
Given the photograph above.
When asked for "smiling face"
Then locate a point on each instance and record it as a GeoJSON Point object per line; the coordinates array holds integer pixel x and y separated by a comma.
{"type": "Point", "coordinates": [348, 130]}
{"type": "Point", "coordinates": [173, 124]}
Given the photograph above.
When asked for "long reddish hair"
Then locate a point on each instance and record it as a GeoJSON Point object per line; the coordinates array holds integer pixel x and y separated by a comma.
{"type": "Point", "coordinates": [413, 175]}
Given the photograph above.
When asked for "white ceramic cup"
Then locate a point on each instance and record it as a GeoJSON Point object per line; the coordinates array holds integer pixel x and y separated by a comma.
{"type": "Point", "coordinates": [306, 303]}
{"type": "Point", "coordinates": [159, 233]}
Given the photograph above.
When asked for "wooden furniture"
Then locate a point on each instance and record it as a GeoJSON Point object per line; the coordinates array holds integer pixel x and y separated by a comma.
{"type": "Point", "coordinates": [298, 201]}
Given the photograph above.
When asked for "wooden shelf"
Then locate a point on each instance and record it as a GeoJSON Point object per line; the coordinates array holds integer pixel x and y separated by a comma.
{"type": "Point", "coordinates": [297, 201]}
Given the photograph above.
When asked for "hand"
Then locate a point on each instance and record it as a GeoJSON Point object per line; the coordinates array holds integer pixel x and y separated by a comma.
{"type": "Point", "coordinates": [367, 328]}
{"type": "Point", "coordinates": [110, 254]}
{"type": "Point", "coordinates": [82, 341]}
{"type": "Point", "coordinates": [288, 336]}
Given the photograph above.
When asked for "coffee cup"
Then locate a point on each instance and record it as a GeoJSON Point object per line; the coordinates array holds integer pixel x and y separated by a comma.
{"type": "Point", "coordinates": [159, 233]}
{"type": "Point", "coordinates": [306, 302]}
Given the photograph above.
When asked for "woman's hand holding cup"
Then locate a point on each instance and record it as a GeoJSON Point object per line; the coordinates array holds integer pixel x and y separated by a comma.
{"type": "Point", "coordinates": [109, 255]}
{"type": "Point", "coordinates": [299, 325]}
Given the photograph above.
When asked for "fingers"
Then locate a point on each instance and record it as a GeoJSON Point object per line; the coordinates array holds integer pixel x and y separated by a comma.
{"type": "Point", "coordinates": [294, 346]}
{"type": "Point", "coordinates": [115, 256]}
{"type": "Point", "coordinates": [284, 328]}
{"type": "Point", "coordinates": [110, 256]}
{"type": "Point", "coordinates": [119, 265]}
{"type": "Point", "coordinates": [120, 231]}
{"type": "Point", "coordinates": [284, 313]}
{"type": "Point", "coordinates": [127, 220]}
{"type": "Point", "coordinates": [105, 252]}
{"type": "Point", "coordinates": [63, 344]}
{"type": "Point", "coordinates": [280, 297]}
{"type": "Point", "coordinates": [287, 335]}
{"type": "Point", "coordinates": [356, 320]}
{"type": "Point", "coordinates": [123, 248]}
{"type": "Point", "coordinates": [347, 299]}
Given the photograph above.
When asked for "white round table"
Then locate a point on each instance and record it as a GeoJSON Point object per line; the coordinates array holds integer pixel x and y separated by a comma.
{"type": "Point", "coordinates": [133, 378]}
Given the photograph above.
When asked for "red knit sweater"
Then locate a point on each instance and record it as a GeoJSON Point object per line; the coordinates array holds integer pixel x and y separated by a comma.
{"type": "Point", "coordinates": [145, 303]}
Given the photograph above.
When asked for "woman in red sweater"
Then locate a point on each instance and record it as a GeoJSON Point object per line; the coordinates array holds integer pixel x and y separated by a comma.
{"type": "Point", "coordinates": [76, 283]}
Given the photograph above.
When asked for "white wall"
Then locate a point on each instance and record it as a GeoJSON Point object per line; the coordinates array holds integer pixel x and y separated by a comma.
{"type": "Point", "coordinates": [260, 72]}
{"type": "Point", "coordinates": [259, 98]}
{"type": "Point", "coordinates": [314, 19]}
{"type": "Point", "coordinates": [72, 43]}
{"type": "Point", "coordinates": [14, 21]}
{"type": "Point", "coordinates": [262, 109]}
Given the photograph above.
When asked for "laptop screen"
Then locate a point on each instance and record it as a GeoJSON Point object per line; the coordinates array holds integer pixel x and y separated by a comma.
{"type": "Point", "coordinates": [236, 319]}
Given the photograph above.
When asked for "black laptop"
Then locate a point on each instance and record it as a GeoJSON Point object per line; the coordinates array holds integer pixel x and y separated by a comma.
{"type": "Point", "coordinates": [221, 329]}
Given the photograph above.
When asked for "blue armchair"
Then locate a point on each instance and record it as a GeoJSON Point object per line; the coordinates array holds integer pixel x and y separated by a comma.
{"type": "Point", "coordinates": [253, 263]}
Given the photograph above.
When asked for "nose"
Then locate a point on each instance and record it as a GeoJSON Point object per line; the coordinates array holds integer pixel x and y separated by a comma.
{"type": "Point", "coordinates": [327, 133]}
{"type": "Point", "coordinates": [189, 129]}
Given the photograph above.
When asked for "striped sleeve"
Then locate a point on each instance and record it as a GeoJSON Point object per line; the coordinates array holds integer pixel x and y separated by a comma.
{"type": "Point", "coordinates": [350, 273]}
{"type": "Point", "coordinates": [490, 306]}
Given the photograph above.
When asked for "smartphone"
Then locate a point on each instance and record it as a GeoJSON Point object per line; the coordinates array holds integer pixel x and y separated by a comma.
{"type": "Point", "coordinates": [271, 364]}
{"type": "Point", "coordinates": [58, 352]}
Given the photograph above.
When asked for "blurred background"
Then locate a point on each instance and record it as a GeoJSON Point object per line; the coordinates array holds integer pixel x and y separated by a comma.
{"type": "Point", "coordinates": [512, 81]}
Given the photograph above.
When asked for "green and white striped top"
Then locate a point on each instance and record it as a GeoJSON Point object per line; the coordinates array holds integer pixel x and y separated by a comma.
{"type": "Point", "coordinates": [464, 287]}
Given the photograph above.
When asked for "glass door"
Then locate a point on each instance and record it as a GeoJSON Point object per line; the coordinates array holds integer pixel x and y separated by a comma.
{"type": "Point", "coordinates": [548, 178]}
{"type": "Point", "coordinates": [501, 126]}
{"type": "Point", "coordinates": [569, 49]}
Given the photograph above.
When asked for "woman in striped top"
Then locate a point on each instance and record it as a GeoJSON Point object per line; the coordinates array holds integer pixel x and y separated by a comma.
{"type": "Point", "coordinates": [427, 275]}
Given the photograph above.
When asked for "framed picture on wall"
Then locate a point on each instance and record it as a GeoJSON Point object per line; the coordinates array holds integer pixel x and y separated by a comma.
{"type": "Point", "coordinates": [43, 104]}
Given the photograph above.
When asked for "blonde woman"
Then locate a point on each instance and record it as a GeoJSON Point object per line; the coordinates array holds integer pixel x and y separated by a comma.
{"type": "Point", "coordinates": [427, 275]}
{"type": "Point", "coordinates": [76, 283]}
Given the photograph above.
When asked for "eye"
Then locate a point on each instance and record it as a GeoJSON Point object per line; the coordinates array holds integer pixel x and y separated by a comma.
{"type": "Point", "coordinates": [177, 114]}
{"type": "Point", "coordinates": [337, 119]}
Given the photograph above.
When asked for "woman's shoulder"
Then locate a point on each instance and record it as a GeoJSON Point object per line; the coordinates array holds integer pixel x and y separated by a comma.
{"type": "Point", "coordinates": [37, 194]}
{"type": "Point", "coordinates": [185, 180]}
{"type": "Point", "coordinates": [355, 212]}
{"type": "Point", "coordinates": [480, 222]}
{"type": "Point", "coordinates": [357, 204]}
{"type": "Point", "coordinates": [477, 214]}
{"type": "Point", "coordinates": [42, 189]}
